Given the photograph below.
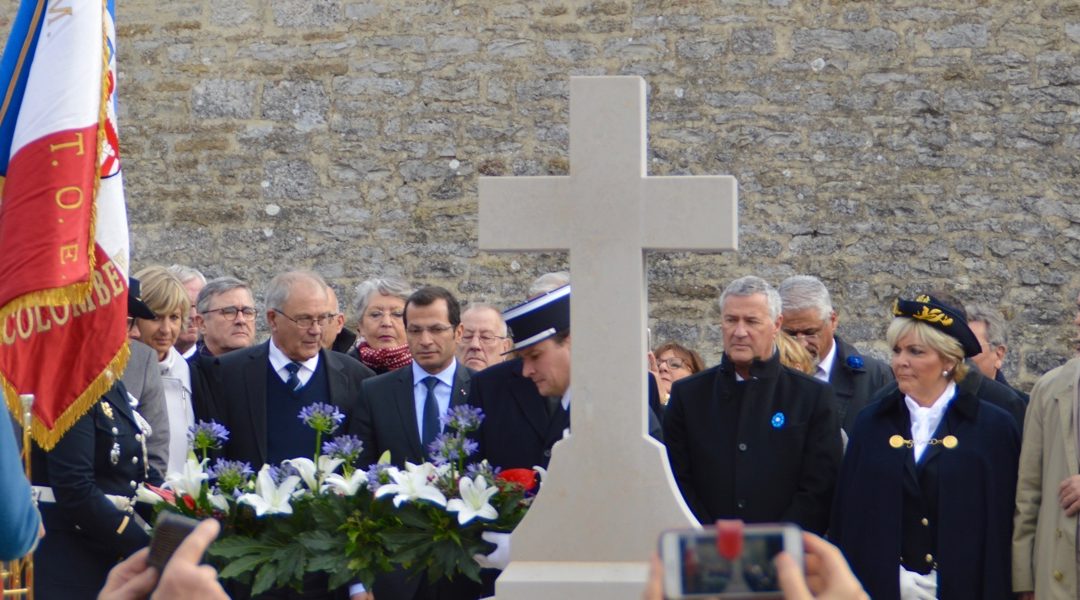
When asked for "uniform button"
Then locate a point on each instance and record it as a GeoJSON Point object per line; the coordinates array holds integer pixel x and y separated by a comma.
{"type": "Point", "coordinates": [925, 522]}
{"type": "Point", "coordinates": [115, 431]}
{"type": "Point", "coordinates": [547, 453]}
{"type": "Point", "coordinates": [134, 460]}
{"type": "Point", "coordinates": [741, 504]}
{"type": "Point", "coordinates": [134, 485]}
{"type": "Point", "coordinates": [929, 558]}
{"type": "Point", "coordinates": [138, 437]}
{"type": "Point", "coordinates": [1058, 576]}
{"type": "Point", "coordinates": [742, 447]}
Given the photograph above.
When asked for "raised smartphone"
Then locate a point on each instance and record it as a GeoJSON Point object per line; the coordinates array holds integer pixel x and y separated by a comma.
{"type": "Point", "coordinates": [694, 567]}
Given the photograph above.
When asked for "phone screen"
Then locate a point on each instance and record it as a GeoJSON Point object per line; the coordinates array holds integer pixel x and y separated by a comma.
{"type": "Point", "coordinates": [694, 567]}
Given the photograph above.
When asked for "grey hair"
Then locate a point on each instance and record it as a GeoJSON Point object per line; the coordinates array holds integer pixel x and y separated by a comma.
{"type": "Point", "coordinates": [279, 288]}
{"type": "Point", "coordinates": [217, 287]}
{"type": "Point", "coordinates": [750, 285]}
{"type": "Point", "coordinates": [498, 313]}
{"type": "Point", "coordinates": [548, 282]}
{"type": "Point", "coordinates": [185, 273]}
{"type": "Point", "coordinates": [997, 332]}
{"type": "Point", "coordinates": [802, 292]}
{"type": "Point", "coordinates": [387, 286]}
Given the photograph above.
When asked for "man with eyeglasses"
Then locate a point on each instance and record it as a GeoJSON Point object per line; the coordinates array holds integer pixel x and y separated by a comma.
{"type": "Point", "coordinates": [809, 317]}
{"type": "Point", "coordinates": [225, 316]}
{"type": "Point", "coordinates": [400, 411]}
{"type": "Point", "coordinates": [258, 391]}
{"type": "Point", "coordinates": [483, 340]}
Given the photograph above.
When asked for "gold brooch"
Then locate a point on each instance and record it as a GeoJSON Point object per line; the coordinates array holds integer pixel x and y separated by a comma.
{"type": "Point", "coordinates": [949, 441]}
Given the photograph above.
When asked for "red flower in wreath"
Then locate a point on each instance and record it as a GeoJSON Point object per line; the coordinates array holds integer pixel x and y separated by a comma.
{"type": "Point", "coordinates": [526, 478]}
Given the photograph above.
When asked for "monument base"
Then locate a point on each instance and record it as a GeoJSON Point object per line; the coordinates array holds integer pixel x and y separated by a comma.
{"type": "Point", "coordinates": [572, 580]}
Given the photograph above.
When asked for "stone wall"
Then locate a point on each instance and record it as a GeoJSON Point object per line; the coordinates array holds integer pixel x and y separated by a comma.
{"type": "Point", "coordinates": [885, 147]}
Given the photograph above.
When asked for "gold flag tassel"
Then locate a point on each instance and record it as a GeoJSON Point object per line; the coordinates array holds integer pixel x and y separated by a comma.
{"type": "Point", "coordinates": [17, 576]}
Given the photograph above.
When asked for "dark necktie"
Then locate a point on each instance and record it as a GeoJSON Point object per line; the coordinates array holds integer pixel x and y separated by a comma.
{"type": "Point", "coordinates": [431, 414]}
{"type": "Point", "coordinates": [293, 382]}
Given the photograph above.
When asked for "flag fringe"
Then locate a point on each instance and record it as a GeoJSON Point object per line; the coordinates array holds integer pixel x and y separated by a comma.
{"type": "Point", "coordinates": [47, 438]}
{"type": "Point", "coordinates": [70, 295]}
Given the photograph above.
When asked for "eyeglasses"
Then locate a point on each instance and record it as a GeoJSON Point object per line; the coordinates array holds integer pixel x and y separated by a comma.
{"type": "Point", "coordinates": [672, 363]}
{"type": "Point", "coordinates": [306, 321]}
{"type": "Point", "coordinates": [485, 337]}
{"type": "Point", "coordinates": [809, 334]}
{"type": "Point", "coordinates": [230, 312]}
{"type": "Point", "coordinates": [434, 330]}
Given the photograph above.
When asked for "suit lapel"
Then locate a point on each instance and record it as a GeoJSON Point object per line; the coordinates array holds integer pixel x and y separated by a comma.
{"type": "Point", "coordinates": [255, 373]}
{"type": "Point", "coordinates": [406, 405]}
{"type": "Point", "coordinates": [335, 378]}
{"type": "Point", "coordinates": [460, 394]}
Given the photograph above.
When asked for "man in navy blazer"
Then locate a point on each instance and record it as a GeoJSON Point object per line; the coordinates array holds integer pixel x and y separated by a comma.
{"type": "Point", "coordinates": [254, 392]}
{"type": "Point", "coordinates": [809, 317]}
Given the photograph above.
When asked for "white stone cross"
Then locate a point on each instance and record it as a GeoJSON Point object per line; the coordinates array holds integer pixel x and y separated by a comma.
{"type": "Point", "coordinates": [609, 490]}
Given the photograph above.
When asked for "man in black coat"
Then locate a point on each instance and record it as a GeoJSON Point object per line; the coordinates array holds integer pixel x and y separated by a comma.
{"type": "Point", "coordinates": [258, 392]}
{"type": "Point", "coordinates": [751, 439]}
{"type": "Point", "coordinates": [810, 318]}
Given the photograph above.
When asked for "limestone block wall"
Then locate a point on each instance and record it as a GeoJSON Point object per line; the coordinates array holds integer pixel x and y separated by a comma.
{"type": "Point", "coordinates": [886, 147]}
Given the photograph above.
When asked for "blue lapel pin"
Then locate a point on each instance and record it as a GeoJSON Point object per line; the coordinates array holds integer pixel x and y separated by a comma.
{"type": "Point", "coordinates": [777, 420]}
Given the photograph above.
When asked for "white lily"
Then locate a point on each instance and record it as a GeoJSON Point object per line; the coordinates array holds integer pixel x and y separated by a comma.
{"type": "Point", "coordinates": [218, 501]}
{"type": "Point", "coordinates": [474, 500]}
{"type": "Point", "coordinates": [187, 482]}
{"type": "Point", "coordinates": [311, 474]}
{"type": "Point", "coordinates": [412, 484]}
{"type": "Point", "coordinates": [270, 499]}
{"type": "Point", "coordinates": [345, 486]}
{"type": "Point", "coordinates": [144, 495]}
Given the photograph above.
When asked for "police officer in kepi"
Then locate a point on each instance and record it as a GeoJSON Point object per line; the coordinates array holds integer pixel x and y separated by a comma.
{"type": "Point", "coordinates": [85, 488]}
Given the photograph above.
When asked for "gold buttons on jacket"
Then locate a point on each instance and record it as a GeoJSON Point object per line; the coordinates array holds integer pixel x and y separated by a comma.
{"type": "Point", "coordinates": [929, 558]}
{"type": "Point", "coordinates": [925, 522]}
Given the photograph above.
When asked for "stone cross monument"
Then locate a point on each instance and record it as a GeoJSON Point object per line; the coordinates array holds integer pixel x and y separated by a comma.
{"type": "Point", "coordinates": [609, 490]}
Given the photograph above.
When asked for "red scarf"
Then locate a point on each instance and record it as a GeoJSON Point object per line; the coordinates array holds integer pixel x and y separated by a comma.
{"type": "Point", "coordinates": [384, 359]}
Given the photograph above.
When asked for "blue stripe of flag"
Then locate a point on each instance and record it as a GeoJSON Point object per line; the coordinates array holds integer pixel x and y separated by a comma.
{"type": "Point", "coordinates": [12, 83]}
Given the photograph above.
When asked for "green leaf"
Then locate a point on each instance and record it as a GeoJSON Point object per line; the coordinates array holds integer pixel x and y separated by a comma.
{"type": "Point", "coordinates": [263, 580]}
{"type": "Point", "coordinates": [244, 564]}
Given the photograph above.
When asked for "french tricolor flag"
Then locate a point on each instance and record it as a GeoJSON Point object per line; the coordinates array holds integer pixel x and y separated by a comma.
{"type": "Point", "coordinates": [63, 223]}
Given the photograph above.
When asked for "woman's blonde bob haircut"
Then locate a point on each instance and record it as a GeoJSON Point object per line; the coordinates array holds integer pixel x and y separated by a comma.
{"type": "Point", "coordinates": [163, 292]}
{"type": "Point", "coordinates": [945, 345]}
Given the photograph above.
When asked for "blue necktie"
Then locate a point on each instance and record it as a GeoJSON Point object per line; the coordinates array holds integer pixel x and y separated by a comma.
{"type": "Point", "coordinates": [293, 382]}
{"type": "Point", "coordinates": [431, 414]}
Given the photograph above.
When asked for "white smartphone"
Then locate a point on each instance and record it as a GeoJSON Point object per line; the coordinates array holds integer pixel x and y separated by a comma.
{"type": "Point", "coordinates": [694, 567]}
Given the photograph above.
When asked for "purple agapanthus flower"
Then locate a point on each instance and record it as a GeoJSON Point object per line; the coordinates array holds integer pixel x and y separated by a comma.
{"type": "Point", "coordinates": [472, 470]}
{"type": "Point", "coordinates": [452, 447]}
{"type": "Point", "coordinates": [230, 474]}
{"type": "Point", "coordinates": [376, 476]}
{"type": "Point", "coordinates": [463, 418]}
{"type": "Point", "coordinates": [322, 417]}
{"type": "Point", "coordinates": [207, 435]}
{"type": "Point", "coordinates": [345, 447]}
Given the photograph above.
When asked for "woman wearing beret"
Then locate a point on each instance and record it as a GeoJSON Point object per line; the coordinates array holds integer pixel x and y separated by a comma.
{"type": "Point", "coordinates": [924, 503]}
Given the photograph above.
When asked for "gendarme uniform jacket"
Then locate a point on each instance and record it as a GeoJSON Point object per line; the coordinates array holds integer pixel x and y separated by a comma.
{"type": "Point", "coordinates": [102, 455]}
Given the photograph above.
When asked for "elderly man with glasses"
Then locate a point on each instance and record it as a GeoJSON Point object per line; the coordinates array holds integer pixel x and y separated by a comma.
{"type": "Point", "coordinates": [484, 341]}
{"type": "Point", "coordinates": [809, 317]}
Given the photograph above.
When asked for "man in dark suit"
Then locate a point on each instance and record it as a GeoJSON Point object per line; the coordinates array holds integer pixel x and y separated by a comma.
{"type": "Point", "coordinates": [751, 439]}
{"type": "Point", "coordinates": [400, 412]}
{"type": "Point", "coordinates": [259, 391]}
{"type": "Point", "coordinates": [809, 317]}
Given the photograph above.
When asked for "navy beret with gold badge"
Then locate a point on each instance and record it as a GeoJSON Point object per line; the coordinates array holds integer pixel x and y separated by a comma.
{"type": "Point", "coordinates": [937, 314]}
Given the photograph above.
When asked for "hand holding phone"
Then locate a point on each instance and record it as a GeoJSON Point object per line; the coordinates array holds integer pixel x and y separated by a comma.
{"type": "Point", "coordinates": [694, 566]}
{"type": "Point", "coordinates": [169, 532]}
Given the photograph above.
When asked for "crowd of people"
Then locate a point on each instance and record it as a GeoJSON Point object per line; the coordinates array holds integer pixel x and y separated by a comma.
{"type": "Point", "coordinates": [932, 475]}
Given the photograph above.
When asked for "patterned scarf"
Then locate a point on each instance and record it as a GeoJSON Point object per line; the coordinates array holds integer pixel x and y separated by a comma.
{"type": "Point", "coordinates": [382, 360]}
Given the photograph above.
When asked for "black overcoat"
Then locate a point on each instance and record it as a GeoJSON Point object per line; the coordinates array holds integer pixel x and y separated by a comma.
{"type": "Point", "coordinates": [777, 457]}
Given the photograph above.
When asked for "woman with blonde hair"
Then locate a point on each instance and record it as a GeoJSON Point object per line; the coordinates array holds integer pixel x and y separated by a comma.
{"type": "Point", "coordinates": [794, 355]}
{"type": "Point", "coordinates": [924, 504]}
{"type": "Point", "coordinates": [163, 293]}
